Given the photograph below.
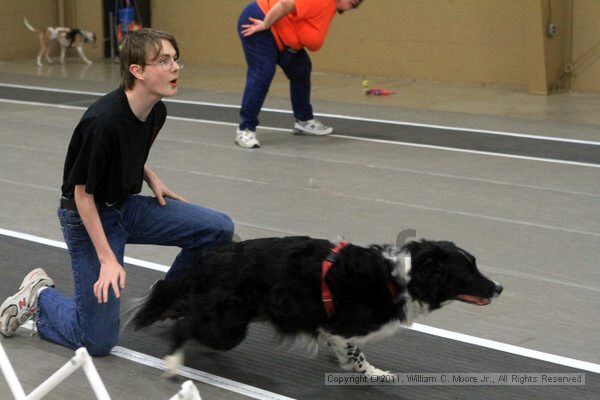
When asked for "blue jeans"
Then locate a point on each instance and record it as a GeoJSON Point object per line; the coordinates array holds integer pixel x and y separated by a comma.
{"type": "Point", "coordinates": [81, 320]}
{"type": "Point", "coordinates": [262, 57]}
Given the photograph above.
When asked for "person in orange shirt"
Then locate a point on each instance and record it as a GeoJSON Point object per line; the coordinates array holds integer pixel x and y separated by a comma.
{"type": "Point", "coordinates": [278, 32]}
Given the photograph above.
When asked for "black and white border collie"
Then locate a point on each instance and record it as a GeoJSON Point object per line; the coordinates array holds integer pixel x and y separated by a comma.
{"type": "Point", "coordinates": [340, 295]}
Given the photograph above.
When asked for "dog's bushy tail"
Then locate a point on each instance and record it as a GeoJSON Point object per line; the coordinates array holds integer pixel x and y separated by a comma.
{"type": "Point", "coordinates": [28, 25]}
{"type": "Point", "coordinates": [161, 299]}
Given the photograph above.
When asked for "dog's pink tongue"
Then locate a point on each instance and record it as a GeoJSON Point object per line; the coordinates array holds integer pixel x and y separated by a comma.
{"type": "Point", "coordinates": [480, 301]}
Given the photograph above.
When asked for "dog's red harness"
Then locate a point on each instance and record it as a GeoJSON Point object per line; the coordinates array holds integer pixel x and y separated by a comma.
{"type": "Point", "coordinates": [327, 264]}
{"type": "Point", "coordinates": [326, 292]}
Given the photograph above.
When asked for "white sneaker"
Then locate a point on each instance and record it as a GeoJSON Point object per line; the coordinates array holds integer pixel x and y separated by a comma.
{"type": "Point", "coordinates": [246, 139]}
{"type": "Point", "coordinates": [22, 306]}
{"type": "Point", "coordinates": [312, 127]}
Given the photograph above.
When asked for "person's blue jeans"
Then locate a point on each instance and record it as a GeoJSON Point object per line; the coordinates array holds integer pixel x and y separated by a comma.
{"type": "Point", "coordinates": [81, 320]}
{"type": "Point", "coordinates": [262, 57]}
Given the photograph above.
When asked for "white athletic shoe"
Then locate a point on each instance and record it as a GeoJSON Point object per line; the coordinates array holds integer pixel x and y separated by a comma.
{"type": "Point", "coordinates": [312, 127]}
{"type": "Point", "coordinates": [22, 306]}
{"type": "Point", "coordinates": [246, 139]}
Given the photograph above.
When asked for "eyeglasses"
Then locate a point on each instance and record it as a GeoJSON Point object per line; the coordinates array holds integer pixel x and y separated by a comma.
{"type": "Point", "coordinates": [167, 64]}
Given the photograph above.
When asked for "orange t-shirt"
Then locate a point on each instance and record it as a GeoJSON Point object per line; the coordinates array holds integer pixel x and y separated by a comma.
{"type": "Point", "coordinates": [307, 27]}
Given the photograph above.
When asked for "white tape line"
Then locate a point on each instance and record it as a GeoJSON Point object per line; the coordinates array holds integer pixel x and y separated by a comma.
{"type": "Point", "coordinates": [339, 116]}
{"type": "Point", "coordinates": [199, 376]}
{"type": "Point", "coordinates": [362, 139]}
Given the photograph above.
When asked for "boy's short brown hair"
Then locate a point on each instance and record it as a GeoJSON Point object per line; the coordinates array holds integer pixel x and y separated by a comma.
{"type": "Point", "coordinates": [138, 46]}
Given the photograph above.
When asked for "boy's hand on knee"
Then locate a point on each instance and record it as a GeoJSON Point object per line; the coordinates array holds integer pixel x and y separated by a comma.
{"type": "Point", "coordinates": [159, 189]}
{"type": "Point", "coordinates": [168, 193]}
{"type": "Point", "coordinates": [111, 274]}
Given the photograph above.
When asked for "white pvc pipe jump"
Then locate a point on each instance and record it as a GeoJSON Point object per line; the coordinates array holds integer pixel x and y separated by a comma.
{"type": "Point", "coordinates": [92, 374]}
{"type": "Point", "coordinates": [11, 377]}
{"type": "Point", "coordinates": [81, 359]}
{"type": "Point", "coordinates": [188, 392]}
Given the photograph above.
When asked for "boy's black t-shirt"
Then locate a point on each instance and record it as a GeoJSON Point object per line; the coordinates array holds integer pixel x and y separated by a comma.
{"type": "Point", "coordinates": [109, 148]}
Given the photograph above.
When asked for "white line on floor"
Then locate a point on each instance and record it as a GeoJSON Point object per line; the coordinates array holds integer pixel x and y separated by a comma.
{"type": "Point", "coordinates": [382, 141]}
{"type": "Point", "coordinates": [508, 348]}
{"type": "Point", "coordinates": [37, 103]}
{"type": "Point", "coordinates": [339, 116]}
{"type": "Point", "coordinates": [461, 337]}
{"type": "Point", "coordinates": [478, 152]}
{"type": "Point", "coordinates": [200, 376]}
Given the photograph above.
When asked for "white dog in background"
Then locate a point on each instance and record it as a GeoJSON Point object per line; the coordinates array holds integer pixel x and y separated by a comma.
{"type": "Point", "coordinates": [66, 38]}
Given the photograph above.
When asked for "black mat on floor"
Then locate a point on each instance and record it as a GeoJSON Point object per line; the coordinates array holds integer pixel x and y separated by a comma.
{"type": "Point", "coordinates": [526, 147]}
{"type": "Point", "coordinates": [262, 363]}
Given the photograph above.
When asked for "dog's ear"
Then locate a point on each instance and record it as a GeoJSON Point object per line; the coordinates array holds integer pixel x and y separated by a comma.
{"type": "Point", "coordinates": [429, 261]}
{"type": "Point", "coordinates": [432, 268]}
{"type": "Point", "coordinates": [413, 247]}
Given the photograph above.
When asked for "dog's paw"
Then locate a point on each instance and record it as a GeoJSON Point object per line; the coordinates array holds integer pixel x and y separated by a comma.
{"type": "Point", "coordinates": [172, 364]}
{"type": "Point", "coordinates": [348, 366]}
{"type": "Point", "coordinates": [368, 369]}
{"type": "Point", "coordinates": [379, 372]}
{"type": "Point", "coordinates": [168, 374]}
{"type": "Point", "coordinates": [88, 62]}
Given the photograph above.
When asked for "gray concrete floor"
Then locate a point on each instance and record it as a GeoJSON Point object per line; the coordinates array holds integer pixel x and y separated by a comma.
{"type": "Point", "coordinates": [533, 226]}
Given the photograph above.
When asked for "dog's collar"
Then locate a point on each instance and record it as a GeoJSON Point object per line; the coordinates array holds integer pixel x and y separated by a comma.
{"type": "Point", "coordinates": [325, 267]}
{"type": "Point", "coordinates": [326, 292]}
